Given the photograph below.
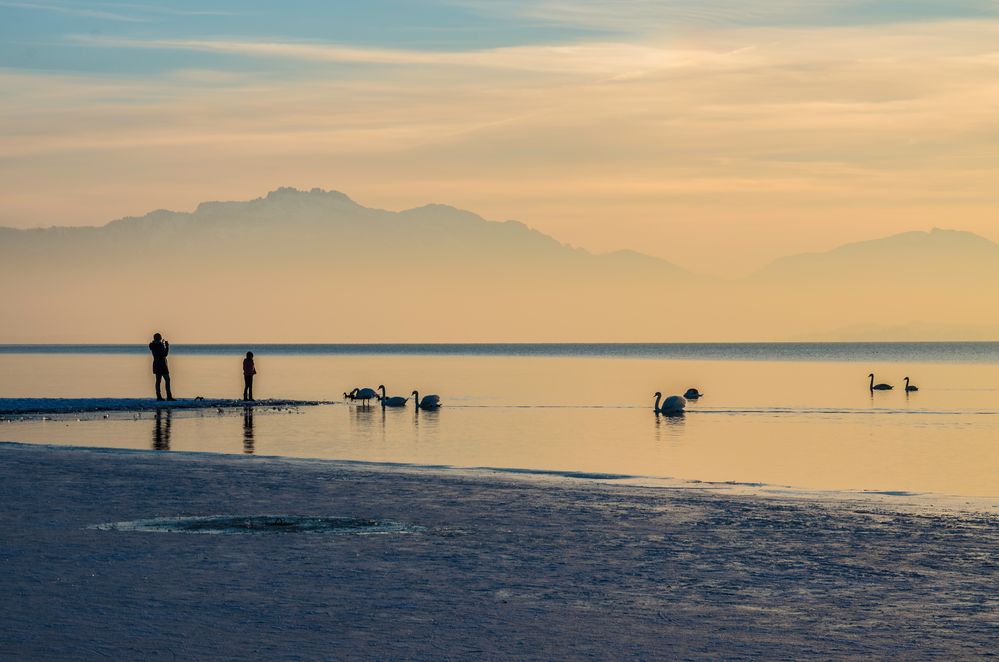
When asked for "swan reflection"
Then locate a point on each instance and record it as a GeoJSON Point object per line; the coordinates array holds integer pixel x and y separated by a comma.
{"type": "Point", "coordinates": [670, 426]}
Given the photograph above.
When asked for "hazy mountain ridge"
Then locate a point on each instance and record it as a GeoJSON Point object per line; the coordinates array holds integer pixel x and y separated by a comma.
{"type": "Point", "coordinates": [910, 254]}
{"type": "Point", "coordinates": [315, 266]}
{"type": "Point", "coordinates": [909, 332]}
{"type": "Point", "coordinates": [328, 216]}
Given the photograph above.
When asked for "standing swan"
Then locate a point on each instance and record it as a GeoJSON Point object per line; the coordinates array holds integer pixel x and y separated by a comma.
{"type": "Point", "coordinates": [672, 406]}
{"type": "Point", "coordinates": [428, 401]}
{"type": "Point", "coordinates": [362, 394]}
{"type": "Point", "coordinates": [909, 388]}
{"type": "Point", "coordinates": [879, 387]}
{"type": "Point", "coordinates": [394, 401]}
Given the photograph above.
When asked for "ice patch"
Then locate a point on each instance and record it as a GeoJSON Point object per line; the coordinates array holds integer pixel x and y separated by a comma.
{"type": "Point", "coordinates": [588, 475]}
{"type": "Point", "coordinates": [260, 524]}
{"type": "Point", "coordinates": [24, 406]}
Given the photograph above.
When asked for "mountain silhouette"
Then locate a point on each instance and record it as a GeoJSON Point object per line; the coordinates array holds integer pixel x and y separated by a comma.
{"type": "Point", "coordinates": [320, 224]}
{"type": "Point", "coordinates": [315, 266]}
{"type": "Point", "coordinates": [913, 256]}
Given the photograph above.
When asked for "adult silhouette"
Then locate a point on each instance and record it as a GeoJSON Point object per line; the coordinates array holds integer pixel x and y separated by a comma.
{"type": "Point", "coordinates": [160, 348]}
{"type": "Point", "coordinates": [249, 370]}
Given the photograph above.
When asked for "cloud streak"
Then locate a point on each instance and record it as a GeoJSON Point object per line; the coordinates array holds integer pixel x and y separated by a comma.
{"type": "Point", "coordinates": [111, 11]}
{"type": "Point", "coordinates": [583, 58]}
{"type": "Point", "coordinates": [80, 11]}
{"type": "Point", "coordinates": [664, 16]}
{"type": "Point", "coordinates": [645, 15]}
{"type": "Point", "coordinates": [728, 146]}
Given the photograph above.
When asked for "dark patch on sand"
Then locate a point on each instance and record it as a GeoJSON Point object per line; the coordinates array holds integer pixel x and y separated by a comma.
{"type": "Point", "coordinates": [259, 524]}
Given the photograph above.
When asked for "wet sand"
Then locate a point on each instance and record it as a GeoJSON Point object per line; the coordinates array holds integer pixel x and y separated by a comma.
{"type": "Point", "coordinates": [497, 567]}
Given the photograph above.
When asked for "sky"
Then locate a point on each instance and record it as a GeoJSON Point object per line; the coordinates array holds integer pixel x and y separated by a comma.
{"type": "Point", "coordinates": [717, 134]}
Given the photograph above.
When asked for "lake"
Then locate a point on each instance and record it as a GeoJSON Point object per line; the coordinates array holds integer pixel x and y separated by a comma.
{"type": "Point", "coordinates": [796, 416]}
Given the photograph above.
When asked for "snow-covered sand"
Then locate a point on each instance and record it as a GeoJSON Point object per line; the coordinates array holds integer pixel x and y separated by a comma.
{"type": "Point", "coordinates": [494, 567]}
{"type": "Point", "coordinates": [13, 407]}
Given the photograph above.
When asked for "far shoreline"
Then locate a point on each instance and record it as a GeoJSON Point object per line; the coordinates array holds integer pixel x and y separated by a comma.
{"type": "Point", "coordinates": [900, 501]}
{"type": "Point", "coordinates": [959, 351]}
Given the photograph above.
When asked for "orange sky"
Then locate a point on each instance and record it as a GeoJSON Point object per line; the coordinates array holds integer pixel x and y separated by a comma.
{"type": "Point", "coordinates": [718, 145]}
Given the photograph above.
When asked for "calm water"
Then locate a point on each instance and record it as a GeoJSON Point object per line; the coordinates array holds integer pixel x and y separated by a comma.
{"type": "Point", "coordinates": [973, 352]}
{"type": "Point", "coordinates": [796, 415]}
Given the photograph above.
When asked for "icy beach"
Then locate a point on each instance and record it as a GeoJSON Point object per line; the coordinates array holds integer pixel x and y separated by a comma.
{"type": "Point", "coordinates": [465, 564]}
{"type": "Point", "coordinates": [12, 408]}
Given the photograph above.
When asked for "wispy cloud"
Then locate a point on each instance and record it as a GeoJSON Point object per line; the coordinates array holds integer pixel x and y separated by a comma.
{"type": "Point", "coordinates": [74, 10]}
{"type": "Point", "coordinates": [657, 16]}
{"type": "Point", "coordinates": [744, 135]}
{"type": "Point", "coordinates": [642, 15]}
{"type": "Point", "coordinates": [164, 10]}
{"type": "Point", "coordinates": [605, 59]}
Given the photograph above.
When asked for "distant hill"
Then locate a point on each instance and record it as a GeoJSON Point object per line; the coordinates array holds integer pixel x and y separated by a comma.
{"type": "Point", "coordinates": [318, 225]}
{"type": "Point", "coordinates": [910, 256]}
{"type": "Point", "coordinates": [936, 285]}
{"type": "Point", "coordinates": [910, 332]}
{"type": "Point", "coordinates": [315, 266]}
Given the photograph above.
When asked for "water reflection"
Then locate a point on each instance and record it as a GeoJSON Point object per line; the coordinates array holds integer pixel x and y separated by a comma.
{"type": "Point", "coordinates": [670, 427]}
{"type": "Point", "coordinates": [429, 418]}
{"type": "Point", "coordinates": [161, 429]}
{"type": "Point", "coordinates": [248, 430]}
{"type": "Point", "coordinates": [758, 423]}
{"type": "Point", "coordinates": [386, 426]}
{"type": "Point", "coordinates": [363, 415]}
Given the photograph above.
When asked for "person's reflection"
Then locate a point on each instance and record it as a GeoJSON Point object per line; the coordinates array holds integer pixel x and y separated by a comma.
{"type": "Point", "coordinates": [248, 430]}
{"type": "Point", "coordinates": [161, 430]}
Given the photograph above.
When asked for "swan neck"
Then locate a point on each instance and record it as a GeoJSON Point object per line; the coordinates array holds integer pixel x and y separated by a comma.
{"type": "Point", "coordinates": [658, 398]}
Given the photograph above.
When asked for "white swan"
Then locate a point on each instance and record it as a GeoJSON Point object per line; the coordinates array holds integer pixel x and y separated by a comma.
{"type": "Point", "coordinates": [428, 401]}
{"type": "Point", "coordinates": [909, 388]}
{"type": "Point", "coordinates": [394, 401]}
{"type": "Point", "coordinates": [692, 394]}
{"type": "Point", "coordinates": [879, 387]}
{"type": "Point", "coordinates": [362, 394]}
{"type": "Point", "coordinates": [672, 405]}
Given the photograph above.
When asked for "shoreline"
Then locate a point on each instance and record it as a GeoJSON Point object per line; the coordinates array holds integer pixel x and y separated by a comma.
{"type": "Point", "coordinates": [927, 502]}
{"type": "Point", "coordinates": [16, 409]}
{"type": "Point", "coordinates": [537, 568]}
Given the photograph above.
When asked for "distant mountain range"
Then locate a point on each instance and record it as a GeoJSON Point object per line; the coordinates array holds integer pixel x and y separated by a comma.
{"type": "Point", "coordinates": [316, 266]}
{"type": "Point", "coordinates": [908, 256]}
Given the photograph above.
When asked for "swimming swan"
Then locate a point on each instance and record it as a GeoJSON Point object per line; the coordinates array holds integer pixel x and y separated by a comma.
{"type": "Point", "coordinates": [692, 394]}
{"type": "Point", "coordinates": [394, 401]}
{"type": "Point", "coordinates": [879, 387]}
{"type": "Point", "coordinates": [910, 387]}
{"type": "Point", "coordinates": [428, 401]}
{"type": "Point", "coordinates": [672, 405]}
